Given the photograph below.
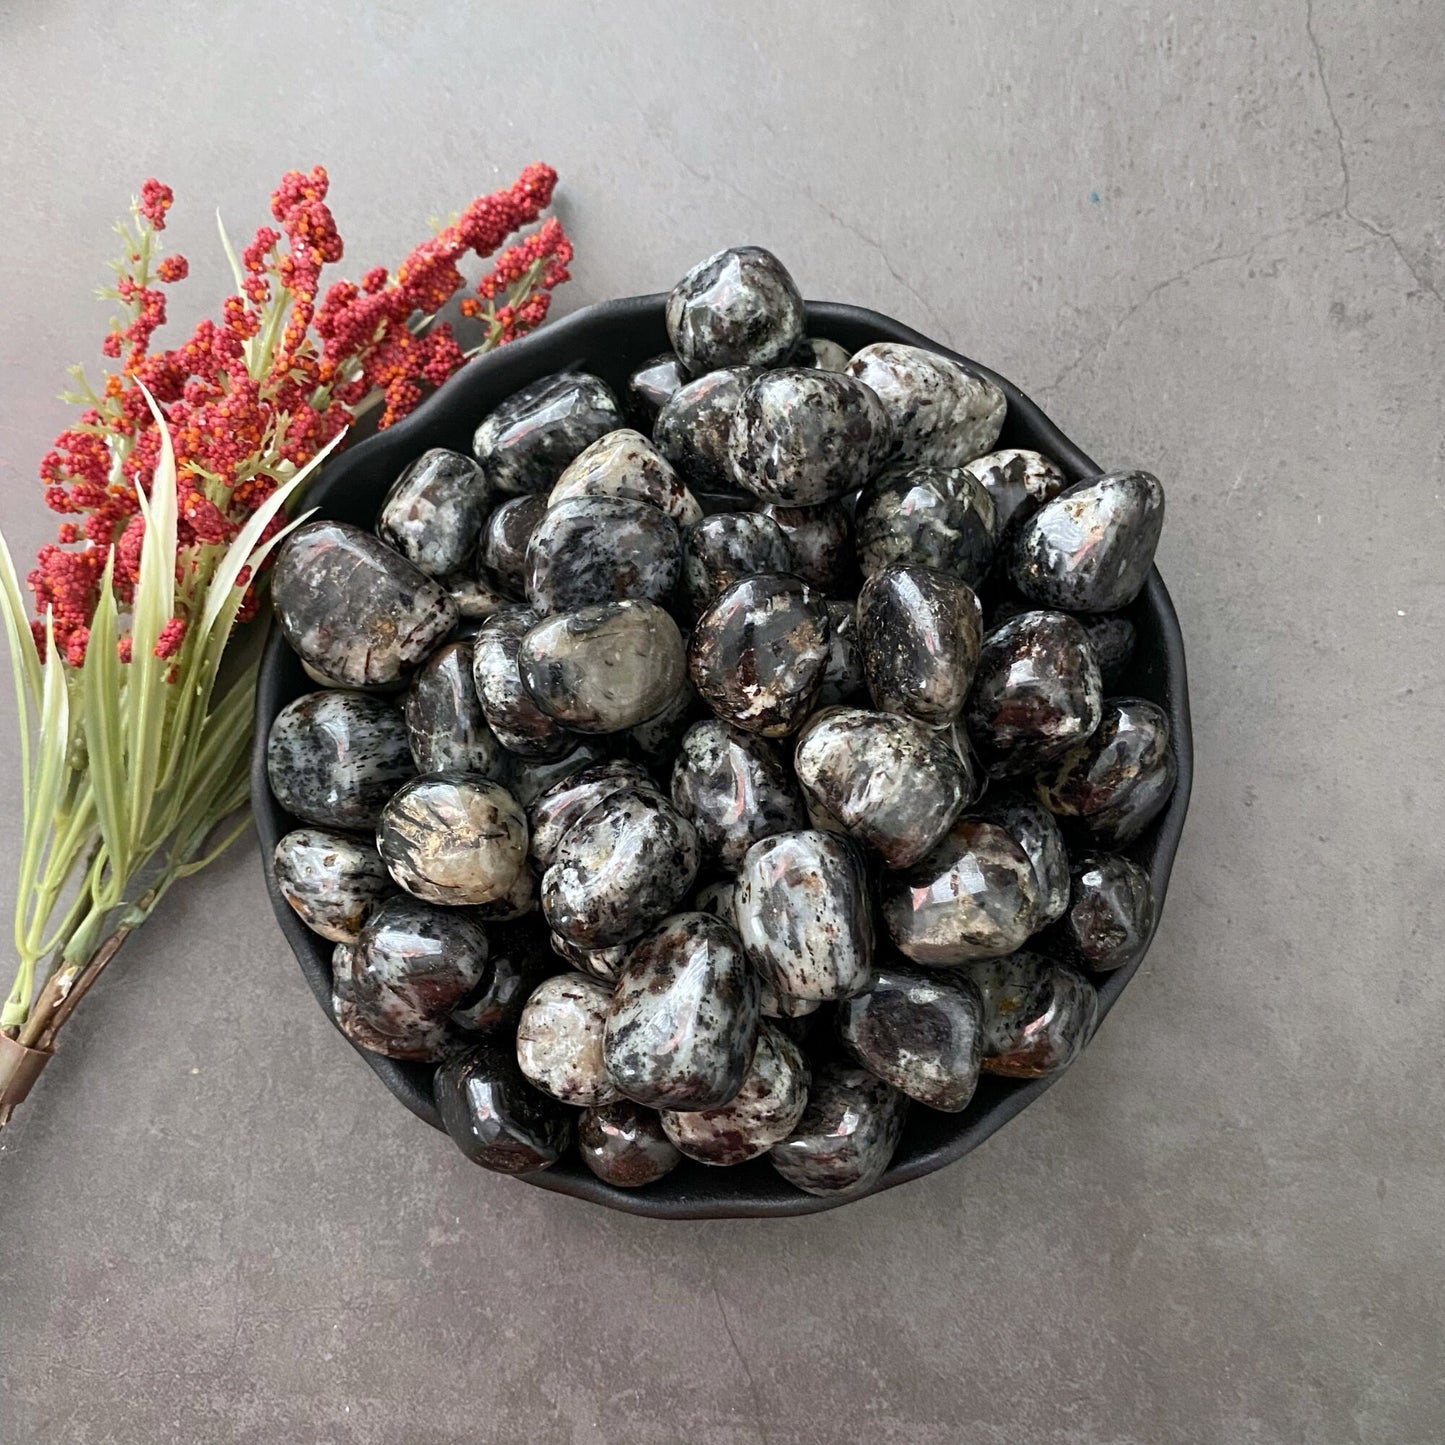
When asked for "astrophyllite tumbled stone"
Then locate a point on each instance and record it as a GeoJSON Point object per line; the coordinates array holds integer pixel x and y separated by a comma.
{"type": "Point", "coordinates": [683, 1020]}
{"type": "Point", "coordinates": [926, 516]}
{"type": "Point", "coordinates": [419, 956]}
{"type": "Point", "coordinates": [1110, 912]}
{"type": "Point", "coordinates": [1019, 482]}
{"type": "Point", "coordinates": [604, 668]}
{"type": "Point", "coordinates": [974, 896]}
{"type": "Point", "coordinates": [801, 437]}
{"type": "Point", "coordinates": [353, 608]}
{"type": "Point", "coordinates": [454, 838]}
{"type": "Point", "coordinates": [1117, 781]}
{"type": "Point", "coordinates": [759, 653]}
{"type": "Point", "coordinates": [528, 778]}
{"type": "Point", "coordinates": [445, 724]}
{"type": "Point", "coordinates": [554, 811]}
{"type": "Point", "coordinates": [920, 630]}
{"type": "Point", "coordinates": [603, 963]}
{"type": "Point", "coordinates": [503, 555]}
{"type": "Point", "coordinates": [517, 961]}
{"type": "Point", "coordinates": [623, 1145]}
{"type": "Point", "coordinates": [625, 464]}
{"type": "Point", "coordinates": [889, 782]}
{"type": "Point", "coordinates": [525, 444]}
{"type": "Point", "coordinates": [725, 548]}
{"type": "Point", "coordinates": [602, 549]}
{"type": "Point", "coordinates": [920, 1031]}
{"type": "Point", "coordinates": [330, 879]}
{"type": "Point", "coordinates": [383, 1024]}
{"type": "Point", "coordinates": [1037, 1014]}
{"type": "Point", "coordinates": [847, 1135]}
{"type": "Point", "coordinates": [694, 429]}
{"type": "Point", "coordinates": [1091, 548]}
{"type": "Point", "coordinates": [941, 414]}
{"type": "Point", "coordinates": [559, 1040]}
{"type": "Point", "coordinates": [433, 513]}
{"type": "Point", "coordinates": [652, 386]}
{"type": "Point", "coordinates": [843, 680]}
{"type": "Point", "coordinates": [1037, 832]}
{"type": "Point", "coordinates": [804, 915]}
{"type": "Point", "coordinates": [1036, 692]}
{"type": "Point", "coordinates": [820, 540]}
{"type": "Point", "coordinates": [735, 788]}
{"type": "Point", "coordinates": [334, 758]}
{"type": "Point", "coordinates": [494, 1116]}
{"type": "Point", "coordinates": [764, 1110]}
{"type": "Point", "coordinates": [623, 865]}
{"type": "Point", "coordinates": [819, 352]}
{"type": "Point", "coordinates": [511, 712]}
{"type": "Point", "coordinates": [737, 308]}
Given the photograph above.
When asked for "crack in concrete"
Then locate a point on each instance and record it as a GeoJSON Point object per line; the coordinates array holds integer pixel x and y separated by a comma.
{"type": "Point", "coordinates": [742, 1360]}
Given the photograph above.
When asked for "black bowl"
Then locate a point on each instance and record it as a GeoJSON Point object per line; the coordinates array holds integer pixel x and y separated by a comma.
{"type": "Point", "coordinates": [610, 340]}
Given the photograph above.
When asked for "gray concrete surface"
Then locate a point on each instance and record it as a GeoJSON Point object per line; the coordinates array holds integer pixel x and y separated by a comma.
{"type": "Point", "coordinates": [1211, 242]}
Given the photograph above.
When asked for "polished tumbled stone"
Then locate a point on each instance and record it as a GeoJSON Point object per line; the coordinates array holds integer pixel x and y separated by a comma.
{"type": "Point", "coordinates": [651, 386]}
{"type": "Point", "coordinates": [445, 724]}
{"type": "Point", "coordinates": [1037, 832]}
{"type": "Point", "coordinates": [737, 308]}
{"type": "Point", "coordinates": [1110, 912]}
{"type": "Point", "coordinates": [843, 680]}
{"type": "Point", "coordinates": [624, 463]}
{"type": "Point", "coordinates": [602, 549]}
{"type": "Point", "coordinates": [1037, 1014]}
{"type": "Point", "coordinates": [926, 516]}
{"type": "Point", "coordinates": [418, 956]}
{"type": "Point", "coordinates": [503, 554]}
{"type": "Point", "coordinates": [517, 961]}
{"type": "Point", "coordinates": [726, 547]}
{"type": "Point", "coordinates": [603, 963]}
{"type": "Point", "coordinates": [623, 1145]}
{"type": "Point", "coordinates": [330, 880]}
{"type": "Point", "coordinates": [528, 778]}
{"type": "Point", "coordinates": [555, 810]}
{"type": "Point", "coordinates": [819, 352]}
{"type": "Point", "coordinates": [821, 542]}
{"type": "Point", "coordinates": [495, 1117]}
{"type": "Point", "coordinates": [524, 445]}
{"type": "Point", "coordinates": [1020, 482]}
{"type": "Point", "coordinates": [559, 1040]}
{"type": "Point", "coordinates": [694, 429]}
{"type": "Point", "coordinates": [847, 1135]}
{"type": "Point", "coordinates": [513, 716]}
{"type": "Point", "coordinates": [434, 511]}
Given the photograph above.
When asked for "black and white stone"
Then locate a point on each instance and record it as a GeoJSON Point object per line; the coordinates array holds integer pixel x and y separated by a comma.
{"type": "Point", "coordinates": [920, 1031]}
{"type": "Point", "coordinates": [528, 778]}
{"type": "Point", "coordinates": [628, 862]}
{"type": "Point", "coordinates": [603, 963]}
{"type": "Point", "coordinates": [445, 724]}
{"type": "Point", "coordinates": [889, 782]}
{"type": "Point", "coordinates": [434, 511]}
{"type": "Point", "coordinates": [926, 516]}
{"type": "Point", "coordinates": [804, 915]}
{"type": "Point", "coordinates": [475, 599]}
{"type": "Point", "coordinates": [606, 667]}
{"type": "Point", "coordinates": [334, 758]}
{"type": "Point", "coordinates": [454, 838]}
{"type": "Point", "coordinates": [1117, 781]}
{"type": "Point", "coordinates": [559, 1040]}
{"type": "Point", "coordinates": [801, 436]}
{"type": "Point", "coordinates": [765, 1110]}
{"type": "Point", "coordinates": [426, 1043]}
{"type": "Point", "coordinates": [625, 464]}
{"type": "Point", "coordinates": [517, 962]}
{"type": "Point", "coordinates": [1110, 912]}
{"type": "Point", "coordinates": [554, 811]}
{"type": "Point", "coordinates": [354, 609]}
{"type": "Point", "coordinates": [694, 428]}
{"type": "Point", "coordinates": [1020, 482]}
{"type": "Point", "coordinates": [503, 555]}
{"type": "Point", "coordinates": [847, 1135]}
{"type": "Point", "coordinates": [524, 445]}
{"type": "Point", "coordinates": [623, 1145]}
{"type": "Point", "coordinates": [331, 880]}
{"type": "Point", "coordinates": [652, 386]}
{"type": "Point", "coordinates": [718, 898]}
{"type": "Point", "coordinates": [1037, 1014]}
{"type": "Point", "coordinates": [1036, 692]}
{"type": "Point", "coordinates": [495, 1117]}
{"type": "Point", "coordinates": [974, 896]}
{"type": "Point", "coordinates": [513, 716]}
{"type": "Point", "coordinates": [683, 1021]}
{"type": "Point", "coordinates": [818, 352]}
{"type": "Point", "coordinates": [821, 542]}
{"type": "Point", "coordinates": [1037, 832]}
{"type": "Point", "coordinates": [726, 547]}
{"type": "Point", "coordinates": [737, 308]}
{"type": "Point", "coordinates": [920, 631]}
{"type": "Point", "coordinates": [941, 414]}
{"type": "Point", "coordinates": [417, 957]}
{"type": "Point", "coordinates": [1091, 548]}
{"type": "Point", "coordinates": [759, 653]}
{"type": "Point", "coordinates": [843, 680]}
{"type": "Point", "coordinates": [736, 789]}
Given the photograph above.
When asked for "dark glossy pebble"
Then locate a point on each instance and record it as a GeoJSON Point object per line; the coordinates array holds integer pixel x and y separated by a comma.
{"type": "Point", "coordinates": [726, 547]}
{"type": "Point", "coordinates": [821, 543]}
{"type": "Point", "coordinates": [941, 414]}
{"type": "Point", "coordinates": [603, 963]}
{"type": "Point", "coordinates": [683, 1020]}
{"type": "Point", "coordinates": [418, 957]}
{"type": "Point", "coordinates": [694, 429]}
{"type": "Point", "coordinates": [920, 1031]}
{"type": "Point", "coordinates": [1110, 912]}
{"type": "Point", "coordinates": [503, 555]}
{"type": "Point", "coordinates": [1037, 832]}
{"type": "Point", "coordinates": [804, 915]}
{"type": "Point", "coordinates": [801, 437]}
{"type": "Point", "coordinates": [719, 899]}
{"type": "Point", "coordinates": [1111, 639]}
{"type": "Point", "coordinates": [652, 386]}
{"type": "Point", "coordinates": [559, 1040]}
{"type": "Point", "coordinates": [1019, 482]}
{"type": "Point", "coordinates": [628, 862]}
{"type": "Point", "coordinates": [454, 838]}
{"type": "Point", "coordinates": [847, 1135]}
{"type": "Point", "coordinates": [526, 442]}
{"type": "Point", "coordinates": [424, 1044]}
{"type": "Point", "coordinates": [604, 668]}
{"type": "Point", "coordinates": [495, 1117]}
{"type": "Point", "coordinates": [926, 516]}
{"type": "Point", "coordinates": [331, 880]}
{"type": "Point", "coordinates": [818, 352]}
{"type": "Point", "coordinates": [974, 896]}
{"type": "Point", "coordinates": [516, 902]}
{"type": "Point", "coordinates": [554, 811]}
{"type": "Point", "coordinates": [736, 789]}
{"type": "Point", "coordinates": [1117, 781]}
{"type": "Point", "coordinates": [513, 716]}
{"type": "Point", "coordinates": [843, 680]}
{"type": "Point", "coordinates": [1091, 548]}
{"type": "Point", "coordinates": [602, 549]}
{"type": "Point", "coordinates": [889, 782]}
{"type": "Point", "coordinates": [764, 1110]}
{"type": "Point", "coordinates": [334, 758]}
{"type": "Point", "coordinates": [625, 464]}
{"type": "Point", "coordinates": [920, 630]}
{"type": "Point", "coordinates": [1037, 1014]}
{"type": "Point", "coordinates": [528, 778]}
{"type": "Point", "coordinates": [433, 513]}
{"type": "Point", "coordinates": [1036, 693]}
{"type": "Point", "coordinates": [518, 960]}
{"type": "Point", "coordinates": [623, 1145]}
{"type": "Point", "coordinates": [475, 599]}
{"type": "Point", "coordinates": [354, 609]}
{"type": "Point", "coordinates": [737, 308]}
{"type": "Point", "coordinates": [445, 724]}
{"type": "Point", "coordinates": [759, 653]}
{"type": "Point", "coordinates": [654, 743]}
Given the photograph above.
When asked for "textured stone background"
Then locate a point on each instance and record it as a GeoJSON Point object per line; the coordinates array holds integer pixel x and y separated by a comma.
{"type": "Point", "coordinates": [1212, 244]}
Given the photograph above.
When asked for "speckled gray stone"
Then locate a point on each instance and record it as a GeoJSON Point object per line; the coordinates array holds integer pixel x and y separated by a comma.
{"type": "Point", "coordinates": [524, 445]}
{"type": "Point", "coordinates": [694, 428]}
{"type": "Point", "coordinates": [726, 547]}
{"type": "Point", "coordinates": [623, 1145]}
{"type": "Point", "coordinates": [417, 956]}
{"type": "Point", "coordinates": [818, 352]}
{"type": "Point", "coordinates": [651, 386]}
{"type": "Point", "coordinates": [1037, 832]}
{"type": "Point", "coordinates": [929, 516]}
{"type": "Point", "coordinates": [718, 898]}
{"type": "Point", "coordinates": [602, 549]}
{"type": "Point", "coordinates": [330, 879]}
{"type": "Point", "coordinates": [820, 540]}
{"type": "Point", "coordinates": [554, 811]}
{"type": "Point", "coordinates": [624, 463]}
{"type": "Point", "coordinates": [559, 1040]}
{"type": "Point", "coordinates": [1037, 1014]}
{"type": "Point", "coordinates": [515, 902]}
{"type": "Point", "coordinates": [847, 1135]}
{"type": "Point", "coordinates": [495, 1117]}
{"type": "Point", "coordinates": [654, 743]}
{"type": "Point", "coordinates": [1019, 481]}
{"type": "Point", "coordinates": [421, 1044]}
{"type": "Point", "coordinates": [1110, 912]}
{"type": "Point", "coordinates": [603, 963]}
{"type": "Point", "coordinates": [514, 718]}
{"type": "Point", "coordinates": [503, 553]}
{"type": "Point", "coordinates": [737, 308]}
{"type": "Point", "coordinates": [475, 598]}
{"type": "Point", "coordinates": [445, 724]}
{"type": "Point", "coordinates": [433, 513]}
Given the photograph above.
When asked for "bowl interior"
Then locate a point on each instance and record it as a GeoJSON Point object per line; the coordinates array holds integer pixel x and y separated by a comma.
{"type": "Point", "coordinates": [610, 340]}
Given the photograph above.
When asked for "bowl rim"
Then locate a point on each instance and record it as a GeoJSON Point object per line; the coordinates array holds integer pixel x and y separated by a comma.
{"type": "Point", "coordinates": [546, 351]}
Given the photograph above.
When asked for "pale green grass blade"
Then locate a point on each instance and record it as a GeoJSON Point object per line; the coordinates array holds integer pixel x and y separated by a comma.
{"type": "Point", "coordinates": [101, 704]}
{"type": "Point", "coordinates": [23, 657]}
{"type": "Point", "coordinates": [49, 786]}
